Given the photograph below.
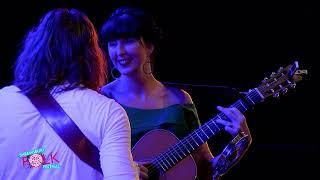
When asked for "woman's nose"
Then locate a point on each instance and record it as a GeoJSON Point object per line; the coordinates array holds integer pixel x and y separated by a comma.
{"type": "Point", "coordinates": [120, 49]}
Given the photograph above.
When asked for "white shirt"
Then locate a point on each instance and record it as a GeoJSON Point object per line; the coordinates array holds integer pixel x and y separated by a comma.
{"type": "Point", "coordinates": [24, 132]}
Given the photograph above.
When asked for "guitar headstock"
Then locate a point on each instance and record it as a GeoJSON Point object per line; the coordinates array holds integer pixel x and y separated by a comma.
{"type": "Point", "coordinates": [281, 81]}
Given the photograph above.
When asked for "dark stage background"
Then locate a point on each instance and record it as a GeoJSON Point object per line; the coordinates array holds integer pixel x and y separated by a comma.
{"type": "Point", "coordinates": [230, 44]}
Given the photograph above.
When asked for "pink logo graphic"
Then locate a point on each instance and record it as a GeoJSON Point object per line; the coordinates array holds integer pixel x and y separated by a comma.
{"type": "Point", "coordinates": [37, 158]}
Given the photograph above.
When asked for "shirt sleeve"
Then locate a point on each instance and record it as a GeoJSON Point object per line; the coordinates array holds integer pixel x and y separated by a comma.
{"type": "Point", "coordinates": [115, 152]}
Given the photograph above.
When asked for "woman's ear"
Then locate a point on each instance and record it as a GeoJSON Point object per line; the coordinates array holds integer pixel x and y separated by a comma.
{"type": "Point", "coordinates": [150, 48]}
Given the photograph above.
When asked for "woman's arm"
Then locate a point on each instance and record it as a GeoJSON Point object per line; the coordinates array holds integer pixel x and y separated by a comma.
{"type": "Point", "coordinates": [202, 157]}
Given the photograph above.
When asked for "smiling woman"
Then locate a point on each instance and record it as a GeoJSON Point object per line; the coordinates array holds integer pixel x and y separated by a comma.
{"type": "Point", "coordinates": [131, 37]}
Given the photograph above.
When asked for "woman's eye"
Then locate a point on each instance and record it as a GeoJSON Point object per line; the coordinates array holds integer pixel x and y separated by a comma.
{"type": "Point", "coordinates": [131, 40]}
{"type": "Point", "coordinates": [112, 43]}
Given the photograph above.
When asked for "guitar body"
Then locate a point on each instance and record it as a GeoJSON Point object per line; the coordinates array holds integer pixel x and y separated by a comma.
{"type": "Point", "coordinates": [157, 141]}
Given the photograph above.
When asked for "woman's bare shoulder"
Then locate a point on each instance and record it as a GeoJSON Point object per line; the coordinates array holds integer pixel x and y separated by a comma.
{"type": "Point", "coordinates": [182, 96]}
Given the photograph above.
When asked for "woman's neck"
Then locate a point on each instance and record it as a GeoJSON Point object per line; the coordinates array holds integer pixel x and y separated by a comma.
{"type": "Point", "coordinates": [139, 85]}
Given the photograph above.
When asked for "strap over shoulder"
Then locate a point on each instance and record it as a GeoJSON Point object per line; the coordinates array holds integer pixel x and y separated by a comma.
{"type": "Point", "coordinates": [68, 131]}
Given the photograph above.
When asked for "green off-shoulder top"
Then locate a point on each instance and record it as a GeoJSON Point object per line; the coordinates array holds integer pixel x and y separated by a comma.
{"type": "Point", "coordinates": [180, 119]}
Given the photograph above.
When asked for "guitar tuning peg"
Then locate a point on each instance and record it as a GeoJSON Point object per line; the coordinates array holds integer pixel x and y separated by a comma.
{"type": "Point", "coordinates": [292, 85]}
{"type": "Point", "coordinates": [280, 69]}
{"type": "Point", "coordinates": [284, 90]}
{"type": "Point", "coordinates": [288, 82]}
{"type": "Point", "coordinates": [272, 74]}
{"type": "Point", "coordinates": [276, 95]}
{"type": "Point", "coordinates": [264, 80]}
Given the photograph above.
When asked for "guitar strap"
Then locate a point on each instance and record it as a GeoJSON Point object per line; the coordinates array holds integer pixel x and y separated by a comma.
{"type": "Point", "coordinates": [68, 131]}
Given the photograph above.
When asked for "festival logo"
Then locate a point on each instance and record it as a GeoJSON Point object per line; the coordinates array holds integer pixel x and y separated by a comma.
{"type": "Point", "coordinates": [39, 159]}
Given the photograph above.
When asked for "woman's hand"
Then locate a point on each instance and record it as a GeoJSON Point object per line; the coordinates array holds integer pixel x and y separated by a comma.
{"type": "Point", "coordinates": [143, 170]}
{"type": "Point", "coordinates": [236, 119]}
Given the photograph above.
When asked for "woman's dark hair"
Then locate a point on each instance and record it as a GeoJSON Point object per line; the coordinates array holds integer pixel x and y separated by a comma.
{"type": "Point", "coordinates": [130, 22]}
{"type": "Point", "coordinates": [62, 49]}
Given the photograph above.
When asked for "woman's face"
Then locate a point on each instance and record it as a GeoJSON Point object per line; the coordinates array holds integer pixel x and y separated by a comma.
{"type": "Point", "coordinates": [128, 54]}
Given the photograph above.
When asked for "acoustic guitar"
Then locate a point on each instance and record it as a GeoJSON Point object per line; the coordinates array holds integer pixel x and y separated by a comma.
{"type": "Point", "coordinates": [170, 158]}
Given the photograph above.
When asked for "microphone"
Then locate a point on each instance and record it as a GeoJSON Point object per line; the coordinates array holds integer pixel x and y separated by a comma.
{"type": "Point", "coordinates": [216, 87]}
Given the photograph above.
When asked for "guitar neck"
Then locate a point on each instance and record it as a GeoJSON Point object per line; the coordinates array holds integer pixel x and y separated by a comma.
{"type": "Point", "coordinates": [187, 145]}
